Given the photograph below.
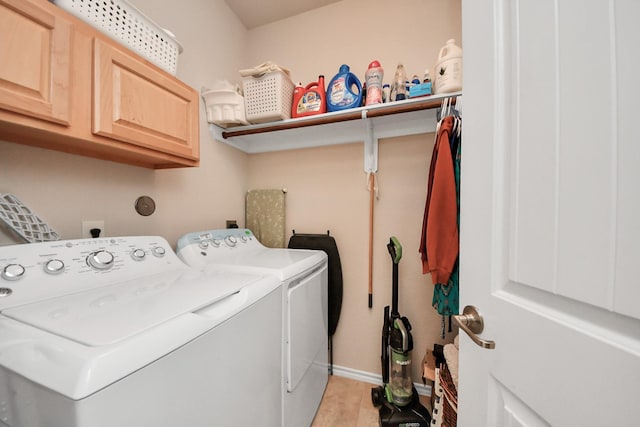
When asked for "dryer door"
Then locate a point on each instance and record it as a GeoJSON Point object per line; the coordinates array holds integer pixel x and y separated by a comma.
{"type": "Point", "coordinates": [307, 330]}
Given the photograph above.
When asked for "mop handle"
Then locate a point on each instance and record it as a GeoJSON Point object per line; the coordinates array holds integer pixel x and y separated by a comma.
{"type": "Point", "coordinates": [371, 205]}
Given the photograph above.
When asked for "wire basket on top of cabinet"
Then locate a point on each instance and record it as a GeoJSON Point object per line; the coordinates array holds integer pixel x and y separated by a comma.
{"type": "Point", "coordinates": [123, 22]}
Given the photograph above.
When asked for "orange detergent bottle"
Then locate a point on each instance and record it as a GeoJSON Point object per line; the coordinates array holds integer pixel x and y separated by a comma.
{"type": "Point", "coordinates": [309, 100]}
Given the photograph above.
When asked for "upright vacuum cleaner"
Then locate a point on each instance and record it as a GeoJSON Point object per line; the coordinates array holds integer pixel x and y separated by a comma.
{"type": "Point", "coordinates": [397, 399]}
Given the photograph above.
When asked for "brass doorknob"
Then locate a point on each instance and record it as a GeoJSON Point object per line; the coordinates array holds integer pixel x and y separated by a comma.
{"type": "Point", "coordinates": [472, 323]}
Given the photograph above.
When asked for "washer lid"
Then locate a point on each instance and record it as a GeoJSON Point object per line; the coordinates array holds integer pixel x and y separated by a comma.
{"type": "Point", "coordinates": [110, 314]}
{"type": "Point", "coordinates": [283, 263]}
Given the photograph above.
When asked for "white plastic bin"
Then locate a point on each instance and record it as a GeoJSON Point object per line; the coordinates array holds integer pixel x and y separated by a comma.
{"type": "Point", "coordinates": [123, 22]}
{"type": "Point", "coordinates": [225, 107]}
{"type": "Point", "coordinates": [268, 97]}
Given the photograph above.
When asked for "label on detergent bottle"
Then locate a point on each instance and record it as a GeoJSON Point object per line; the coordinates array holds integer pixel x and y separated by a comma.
{"type": "Point", "coordinates": [340, 96]}
{"type": "Point", "coordinates": [309, 102]}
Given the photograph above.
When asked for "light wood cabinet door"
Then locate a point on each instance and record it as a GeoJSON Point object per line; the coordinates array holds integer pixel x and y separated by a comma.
{"type": "Point", "coordinates": [35, 50]}
{"type": "Point", "coordinates": [65, 86]}
{"type": "Point", "coordinates": [135, 103]}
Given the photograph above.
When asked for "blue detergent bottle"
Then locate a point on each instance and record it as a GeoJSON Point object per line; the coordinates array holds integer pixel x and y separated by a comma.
{"type": "Point", "coordinates": [344, 91]}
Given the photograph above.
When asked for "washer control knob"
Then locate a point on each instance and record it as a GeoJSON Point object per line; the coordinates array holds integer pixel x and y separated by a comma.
{"type": "Point", "coordinates": [13, 272]}
{"type": "Point", "coordinates": [100, 260]}
{"type": "Point", "coordinates": [243, 238]}
{"type": "Point", "coordinates": [54, 266]}
{"type": "Point", "coordinates": [230, 241]}
{"type": "Point", "coordinates": [158, 251]}
{"type": "Point", "coordinates": [215, 242]}
{"type": "Point", "coordinates": [204, 244]}
{"type": "Point", "coordinates": [138, 254]}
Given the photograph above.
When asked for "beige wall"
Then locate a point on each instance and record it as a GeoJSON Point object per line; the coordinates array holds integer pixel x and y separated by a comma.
{"type": "Point", "coordinates": [327, 186]}
{"type": "Point", "coordinates": [64, 189]}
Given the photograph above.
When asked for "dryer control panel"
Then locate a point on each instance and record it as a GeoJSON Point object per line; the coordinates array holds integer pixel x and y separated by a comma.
{"type": "Point", "coordinates": [201, 248]}
{"type": "Point", "coordinates": [35, 271]}
{"type": "Point", "coordinates": [222, 238]}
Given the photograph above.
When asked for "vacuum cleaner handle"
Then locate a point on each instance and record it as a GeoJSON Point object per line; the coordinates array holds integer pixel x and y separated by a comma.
{"type": "Point", "coordinates": [395, 249]}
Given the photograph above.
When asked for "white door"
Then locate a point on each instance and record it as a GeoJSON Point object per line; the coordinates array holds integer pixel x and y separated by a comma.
{"type": "Point", "coordinates": [550, 222]}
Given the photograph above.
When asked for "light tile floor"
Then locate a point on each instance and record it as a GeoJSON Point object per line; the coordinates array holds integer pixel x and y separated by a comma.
{"type": "Point", "coordinates": [347, 403]}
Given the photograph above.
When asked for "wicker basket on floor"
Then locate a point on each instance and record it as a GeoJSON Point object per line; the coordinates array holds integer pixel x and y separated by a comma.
{"type": "Point", "coordinates": [450, 403]}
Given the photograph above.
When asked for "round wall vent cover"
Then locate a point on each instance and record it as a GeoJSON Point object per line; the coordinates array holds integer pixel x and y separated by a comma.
{"type": "Point", "coordinates": [145, 205]}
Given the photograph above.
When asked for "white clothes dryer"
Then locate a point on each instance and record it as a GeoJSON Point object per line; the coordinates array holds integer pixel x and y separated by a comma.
{"type": "Point", "coordinates": [304, 277]}
{"type": "Point", "coordinates": [120, 332]}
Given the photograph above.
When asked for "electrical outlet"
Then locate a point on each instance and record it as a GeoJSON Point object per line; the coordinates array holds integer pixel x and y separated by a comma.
{"type": "Point", "coordinates": [232, 223]}
{"type": "Point", "coordinates": [87, 226]}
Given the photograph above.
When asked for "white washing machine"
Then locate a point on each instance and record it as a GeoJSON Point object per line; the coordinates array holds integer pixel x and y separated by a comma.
{"type": "Point", "coordinates": [120, 332]}
{"type": "Point", "coordinates": [304, 277]}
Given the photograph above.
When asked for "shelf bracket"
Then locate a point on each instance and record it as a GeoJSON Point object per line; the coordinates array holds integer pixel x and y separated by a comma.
{"type": "Point", "coordinates": [370, 145]}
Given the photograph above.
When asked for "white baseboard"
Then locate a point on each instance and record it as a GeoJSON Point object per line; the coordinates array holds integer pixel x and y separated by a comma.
{"type": "Point", "coordinates": [368, 377]}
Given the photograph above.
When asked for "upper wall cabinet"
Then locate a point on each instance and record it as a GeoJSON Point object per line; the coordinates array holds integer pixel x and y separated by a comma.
{"type": "Point", "coordinates": [134, 103]}
{"type": "Point", "coordinates": [35, 47]}
{"type": "Point", "coordinates": [68, 87]}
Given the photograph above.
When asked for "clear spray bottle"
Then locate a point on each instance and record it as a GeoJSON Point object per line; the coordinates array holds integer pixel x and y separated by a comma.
{"type": "Point", "coordinates": [398, 87]}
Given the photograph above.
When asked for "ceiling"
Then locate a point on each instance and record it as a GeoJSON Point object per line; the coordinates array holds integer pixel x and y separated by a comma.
{"type": "Point", "coordinates": [254, 13]}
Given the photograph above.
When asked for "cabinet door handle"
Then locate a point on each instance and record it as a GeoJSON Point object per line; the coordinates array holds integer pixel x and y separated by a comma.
{"type": "Point", "coordinates": [472, 323]}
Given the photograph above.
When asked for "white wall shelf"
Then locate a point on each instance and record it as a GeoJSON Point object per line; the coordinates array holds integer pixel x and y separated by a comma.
{"type": "Point", "coordinates": [364, 124]}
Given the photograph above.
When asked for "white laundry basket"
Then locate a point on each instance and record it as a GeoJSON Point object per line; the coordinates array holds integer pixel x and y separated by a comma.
{"type": "Point", "coordinates": [268, 97]}
{"type": "Point", "coordinates": [123, 22]}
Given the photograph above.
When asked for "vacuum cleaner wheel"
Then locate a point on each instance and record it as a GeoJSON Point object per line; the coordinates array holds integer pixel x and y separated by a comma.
{"type": "Point", "coordinates": [377, 396]}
